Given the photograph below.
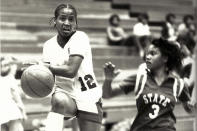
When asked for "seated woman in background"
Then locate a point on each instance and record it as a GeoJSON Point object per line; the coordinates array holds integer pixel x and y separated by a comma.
{"type": "Point", "coordinates": [115, 33]}
{"type": "Point", "coordinates": [187, 34]}
{"type": "Point", "coordinates": [141, 32]}
{"type": "Point", "coordinates": [169, 27]}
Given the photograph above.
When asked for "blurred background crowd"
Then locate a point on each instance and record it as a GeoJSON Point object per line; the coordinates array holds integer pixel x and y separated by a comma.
{"type": "Point", "coordinates": [119, 31]}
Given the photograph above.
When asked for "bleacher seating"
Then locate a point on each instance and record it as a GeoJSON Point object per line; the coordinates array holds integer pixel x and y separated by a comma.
{"type": "Point", "coordinates": [156, 9]}
{"type": "Point", "coordinates": [25, 26]}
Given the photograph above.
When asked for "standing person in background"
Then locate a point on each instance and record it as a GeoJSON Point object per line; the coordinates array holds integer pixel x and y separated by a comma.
{"type": "Point", "coordinates": [186, 35]}
{"type": "Point", "coordinates": [169, 28]}
{"type": "Point", "coordinates": [115, 33]}
{"type": "Point", "coordinates": [142, 33]}
{"type": "Point", "coordinates": [12, 110]}
{"type": "Point", "coordinates": [156, 88]}
{"type": "Point", "coordinates": [69, 57]}
{"type": "Point", "coordinates": [189, 78]}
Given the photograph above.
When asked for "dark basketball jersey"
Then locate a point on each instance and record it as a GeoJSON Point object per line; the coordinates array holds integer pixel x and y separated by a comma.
{"type": "Point", "coordinates": [155, 103]}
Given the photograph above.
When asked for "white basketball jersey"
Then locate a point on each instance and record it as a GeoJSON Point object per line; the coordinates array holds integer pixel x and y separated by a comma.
{"type": "Point", "coordinates": [84, 86]}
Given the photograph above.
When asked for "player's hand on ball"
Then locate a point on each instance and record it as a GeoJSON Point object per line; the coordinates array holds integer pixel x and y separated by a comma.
{"type": "Point", "coordinates": [26, 64]}
{"type": "Point", "coordinates": [46, 64]}
{"type": "Point", "coordinates": [110, 71]}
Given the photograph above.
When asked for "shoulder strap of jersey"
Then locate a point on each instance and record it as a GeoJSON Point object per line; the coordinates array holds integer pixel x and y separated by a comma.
{"type": "Point", "coordinates": [140, 80]}
{"type": "Point", "coordinates": [177, 87]}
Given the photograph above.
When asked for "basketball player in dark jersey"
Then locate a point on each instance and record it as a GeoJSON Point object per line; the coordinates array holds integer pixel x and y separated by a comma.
{"type": "Point", "coordinates": [156, 87]}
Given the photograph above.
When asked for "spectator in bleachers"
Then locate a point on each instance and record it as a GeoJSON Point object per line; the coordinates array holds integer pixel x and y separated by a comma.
{"type": "Point", "coordinates": [186, 38]}
{"type": "Point", "coordinates": [169, 27]}
{"type": "Point", "coordinates": [117, 36]}
{"type": "Point", "coordinates": [142, 33]}
{"type": "Point", "coordinates": [141, 28]}
{"type": "Point", "coordinates": [115, 33]}
{"type": "Point", "coordinates": [186, 34]}
{"type": "Point", "coordinates": [187, 25]}
{"type": "Point", "coordinates": [190, 79]}
{"type": "Point", "coordinates": [12, 110]}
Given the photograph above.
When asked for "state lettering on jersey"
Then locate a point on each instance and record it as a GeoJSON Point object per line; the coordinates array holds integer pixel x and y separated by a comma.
{"type": "Point", "coordinates": [156, 100]}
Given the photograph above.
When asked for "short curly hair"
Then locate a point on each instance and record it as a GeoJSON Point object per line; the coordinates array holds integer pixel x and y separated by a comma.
{"type": "Point", "coordinates": [112, 17]}
{"type": "Point", "coordinates": [171, 49]}
{"type": "Point", "coordinates": [170, 15]}
{"type": "Point", "coordinates": [142, 16]}
{"type": "Point", "coordinates": [187, 17]}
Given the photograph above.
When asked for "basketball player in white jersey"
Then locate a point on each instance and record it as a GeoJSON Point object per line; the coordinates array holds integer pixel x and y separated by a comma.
{"type": "Point", "coordinates": [12, 111]}
{"type": "Point", "coordinates": [70, 59]}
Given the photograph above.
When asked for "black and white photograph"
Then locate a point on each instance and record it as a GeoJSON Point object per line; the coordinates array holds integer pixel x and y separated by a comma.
{"type": "Point", "coordinates": [98, 65]}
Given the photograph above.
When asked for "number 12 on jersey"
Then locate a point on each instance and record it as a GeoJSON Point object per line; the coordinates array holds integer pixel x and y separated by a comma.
{"type": "Point", "coordinates": [89, 82]}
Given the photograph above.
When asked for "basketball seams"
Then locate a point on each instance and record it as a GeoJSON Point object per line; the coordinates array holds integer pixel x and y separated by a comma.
{"type": "Point", "coordinates": [45, 72]}
{"type": "Point", "coordinates": [40, 81]}
{"type": "Point", "coordinates": [30, 85]}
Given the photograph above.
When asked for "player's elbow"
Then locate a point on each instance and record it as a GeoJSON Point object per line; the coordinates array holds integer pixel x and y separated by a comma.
{"type": "Point", "coordinates": [188, 107]}
{"type": "Point", "coordinates": [70, 73]}
{"type": "Point", "coordinates": [106, 96]}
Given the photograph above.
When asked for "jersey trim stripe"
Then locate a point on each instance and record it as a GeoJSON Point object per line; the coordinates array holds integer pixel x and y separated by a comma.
{"type": "Point", "coordinates": [142, 85]}
{"type": "Point", "coordinates": [178, 87]}
{"type": "Point", "coordinates": [77, 55]}
{"type": "Point", "coordinates": [175, 89]}
{"type": "Point", "coordinates": [181, 87]}
{"type": "Point", "coordinates": [139, 85]}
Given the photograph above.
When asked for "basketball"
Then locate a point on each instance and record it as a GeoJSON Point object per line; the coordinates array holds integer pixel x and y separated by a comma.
{"type": "Point", "coordinates": [37, 81]}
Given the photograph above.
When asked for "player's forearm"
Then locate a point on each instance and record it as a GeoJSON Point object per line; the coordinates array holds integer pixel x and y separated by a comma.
{"type": "Point", "coordinates": [107, 88]}
{"type": "Point", "coordinates": [65, 71]}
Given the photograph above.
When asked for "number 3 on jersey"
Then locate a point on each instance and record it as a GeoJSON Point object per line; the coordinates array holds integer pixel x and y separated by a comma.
{"type": "Point", "coordinates": [89, 82]}
{"type": "Point", "coordinates": [155, 113]}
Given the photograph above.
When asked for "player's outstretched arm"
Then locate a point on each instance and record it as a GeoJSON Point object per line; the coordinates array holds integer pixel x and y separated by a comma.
{"type": "Point", "coordinates": [68, 70]}
{"type": "Point", "coordinates": [110, 73]}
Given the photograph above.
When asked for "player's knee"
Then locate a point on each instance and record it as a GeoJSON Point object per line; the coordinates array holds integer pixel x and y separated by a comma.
{"type": "Point", "coordinates": [60, 100]}
{"type": "Point", "coordinates": [62, 103]}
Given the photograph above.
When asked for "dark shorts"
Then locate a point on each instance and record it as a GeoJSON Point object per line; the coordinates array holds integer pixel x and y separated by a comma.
{"type": "Point", "coordinates": [89, 116]}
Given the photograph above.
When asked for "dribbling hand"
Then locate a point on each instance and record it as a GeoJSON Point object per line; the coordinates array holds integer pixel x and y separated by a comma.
{"type": "Point", "coordinates": [27, 64]}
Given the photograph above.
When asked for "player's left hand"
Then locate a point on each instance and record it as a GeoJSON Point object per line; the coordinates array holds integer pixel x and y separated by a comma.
{"type": "Point", "coordinates": [46, 64]}
{"type": "Point", "coordinates": [110, 71]}
{"type": "Point", "coordinates": [188, 107]}
{"type": "Point", "coordinates": [26, 64]}
{"type": "Point", "coordinates": [192, 103]}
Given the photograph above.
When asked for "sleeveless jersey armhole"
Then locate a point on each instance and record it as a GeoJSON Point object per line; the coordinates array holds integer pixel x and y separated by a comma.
{"type": "Point", "coordinates": [177, 87]}
{"type": "Point", "coordinates": [140, 80]}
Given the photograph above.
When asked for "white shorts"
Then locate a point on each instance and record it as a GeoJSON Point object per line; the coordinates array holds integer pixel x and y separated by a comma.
{"type": "Point", "coordinates": [9, 111]}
